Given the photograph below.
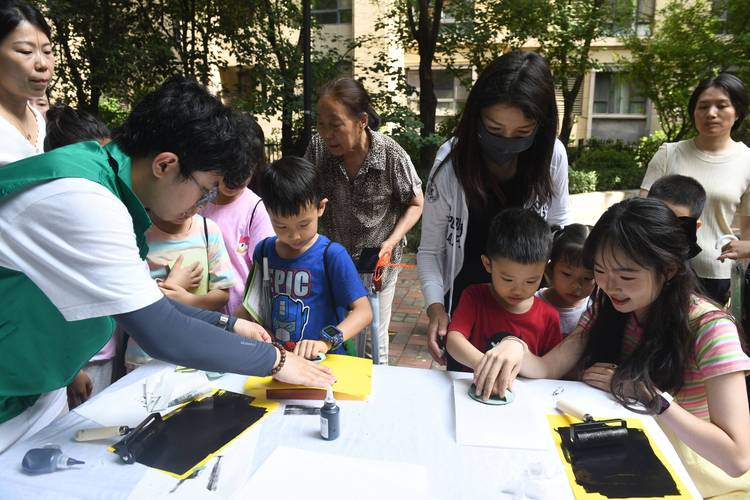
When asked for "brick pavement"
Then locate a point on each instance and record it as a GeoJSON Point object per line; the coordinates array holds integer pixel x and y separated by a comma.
{"type": "Point", "coordinates": [408, 329]}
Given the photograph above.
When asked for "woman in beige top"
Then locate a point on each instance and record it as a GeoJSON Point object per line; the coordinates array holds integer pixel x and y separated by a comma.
{"type": "Point", "coordinates": [26, 64]}
{"type": "Point", "coordinates": [717, 106]}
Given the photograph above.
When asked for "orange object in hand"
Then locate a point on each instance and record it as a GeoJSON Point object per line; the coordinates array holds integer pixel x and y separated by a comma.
{"type": "Point", "coordinates": [383, 262]}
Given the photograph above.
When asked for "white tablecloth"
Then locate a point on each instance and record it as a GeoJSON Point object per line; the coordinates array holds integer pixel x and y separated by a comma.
{"type": "Point", "coordinates": [408, 418]}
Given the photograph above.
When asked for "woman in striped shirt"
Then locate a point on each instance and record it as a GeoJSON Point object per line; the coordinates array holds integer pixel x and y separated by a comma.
{"type": "Point", "coordinates": [657, 345]}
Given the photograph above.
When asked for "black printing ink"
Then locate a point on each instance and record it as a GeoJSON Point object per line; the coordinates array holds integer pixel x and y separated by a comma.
{"type": "Point", "coordinates": [198, 429]}
{"type": "Point", "coordinates": [629, 469]}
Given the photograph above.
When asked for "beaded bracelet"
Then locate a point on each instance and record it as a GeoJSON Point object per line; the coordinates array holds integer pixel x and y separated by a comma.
{"type": "Point", "coordinates": [282, 351]}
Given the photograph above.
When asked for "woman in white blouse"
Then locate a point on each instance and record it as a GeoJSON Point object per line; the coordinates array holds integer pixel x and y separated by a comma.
{"type": "Point", "coordinates": [26, 65]}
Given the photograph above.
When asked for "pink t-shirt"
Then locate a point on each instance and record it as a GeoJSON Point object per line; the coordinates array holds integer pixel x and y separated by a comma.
{"type": "Point", "coordinates": [717, 351]}
{"type": "Point", "coordinates": [243, 222]}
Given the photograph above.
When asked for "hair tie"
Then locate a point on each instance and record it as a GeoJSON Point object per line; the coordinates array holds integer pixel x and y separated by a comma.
{"type": "Point", "coordinates": [689, 226]}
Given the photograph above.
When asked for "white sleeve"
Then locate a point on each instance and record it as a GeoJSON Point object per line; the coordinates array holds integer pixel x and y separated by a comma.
{"type": "Point", "coordinates": [657, 167]}
{"type": "Point", "coordinates": [74, 239]}
{"type": "Point", "coordinates": [435, 221]}
{"type": "Point", "coordinates": [559, 211]}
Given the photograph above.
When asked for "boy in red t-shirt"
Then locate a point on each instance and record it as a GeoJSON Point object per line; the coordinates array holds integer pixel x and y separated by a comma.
{"type": "Point", "coordinates": [518, 248]}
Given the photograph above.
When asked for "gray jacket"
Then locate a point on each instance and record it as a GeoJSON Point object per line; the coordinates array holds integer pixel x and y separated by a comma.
{"type": "Point", "coordinates": [445, 215]}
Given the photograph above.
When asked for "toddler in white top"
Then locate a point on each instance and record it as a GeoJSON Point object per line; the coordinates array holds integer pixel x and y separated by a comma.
{"type": "Point", "coordinates": [570, 282]}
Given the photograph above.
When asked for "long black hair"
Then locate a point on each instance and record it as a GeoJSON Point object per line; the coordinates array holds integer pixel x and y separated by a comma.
{"type": "Point", "coordinates": [14, 12]}
{"type": "Point", "coordinates": [522, 80]}
{"type": "Point", "coordinates": [732, 87]}
{"type": "Point", "coordinates": [647, 232]}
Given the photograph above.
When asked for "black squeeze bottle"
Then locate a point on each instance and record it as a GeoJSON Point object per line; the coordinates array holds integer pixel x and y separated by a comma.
{"type": "Point", "coordinates": [329, 417]}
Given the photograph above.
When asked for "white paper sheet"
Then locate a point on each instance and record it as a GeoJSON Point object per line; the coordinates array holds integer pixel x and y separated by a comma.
{"type": "Point", "coordinates": [236, 462]}
{"type": "Point", "coordinates": [520, 424]}
{"type": "Point", "coordinates": [133, 403]}
{"type": "Point", "coordinates": [523, 423]}
{"type": "Point", "coordinates": [295, 473]}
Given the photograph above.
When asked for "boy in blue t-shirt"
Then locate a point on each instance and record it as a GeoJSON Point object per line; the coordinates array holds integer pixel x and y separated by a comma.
{"type": "Point", "coordinates": [312, 280]}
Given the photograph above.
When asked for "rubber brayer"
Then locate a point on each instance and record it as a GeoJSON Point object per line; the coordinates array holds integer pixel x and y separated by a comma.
{"type": "Point", "coordinates": [593, 433]}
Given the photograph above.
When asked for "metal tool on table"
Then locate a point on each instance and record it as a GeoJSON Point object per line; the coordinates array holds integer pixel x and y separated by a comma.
{"type": "Point", "coordinates": [593, 433]}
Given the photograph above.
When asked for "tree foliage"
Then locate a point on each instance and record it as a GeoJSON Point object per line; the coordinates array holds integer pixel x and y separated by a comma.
{"type": "Point", "coordinates": [684, 49]}
{"type": "Point", "coordinates": [564, 31]}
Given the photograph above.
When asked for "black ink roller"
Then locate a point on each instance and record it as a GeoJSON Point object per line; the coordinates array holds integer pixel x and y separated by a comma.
{"type": "Point", "coordinates": [593, 433]}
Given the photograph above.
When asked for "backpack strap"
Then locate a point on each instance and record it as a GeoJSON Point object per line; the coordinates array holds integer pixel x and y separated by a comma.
{"type": "Point", "coordinates": [205, 235]}
{"type": "Point", "coordinates": [252, 215]}
{"type": "Point", "coordinates": [328, 281]}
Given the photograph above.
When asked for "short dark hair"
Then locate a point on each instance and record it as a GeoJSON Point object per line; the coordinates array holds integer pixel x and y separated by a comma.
{"type": "Point", "coordinates": [732, 86]}
{"type": "Point", "coordinates": [352, 94]}
{"type": "Point", "coordinates": [289, 185]}
{"type": "Point", "coordinates": [520, 235]}
{"type": "Point", "coordinates": [522, 80]}
{"type": "Point", "coordinates": [66, 125]}
{"type": "Point", "coordinates": [14, 12]}
{"type": "Point", "coordinates": [680, 190]}
{"type": "Point", "coordinates": [567, 244]}
{"type": "Point", "coordinates": [182, 117]}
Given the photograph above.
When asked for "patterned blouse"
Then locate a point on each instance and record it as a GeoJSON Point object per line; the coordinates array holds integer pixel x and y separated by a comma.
{"type": "Point", "coordinates": [363, 211]}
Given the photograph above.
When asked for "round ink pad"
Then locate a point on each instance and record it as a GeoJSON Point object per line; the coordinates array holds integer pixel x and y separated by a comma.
{"type": "Point", "coordinates": [494, 399]}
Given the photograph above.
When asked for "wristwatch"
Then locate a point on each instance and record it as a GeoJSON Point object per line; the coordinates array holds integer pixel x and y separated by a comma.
{"type": "Point", "coordinates": [333, 336]}
{"type": "Point", "coordinates": [661, 402]}
{"type": "Point", "coordinates": [223, 321]}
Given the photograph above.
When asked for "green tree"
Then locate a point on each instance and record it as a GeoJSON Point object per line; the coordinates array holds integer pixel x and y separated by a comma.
{"type": "Point", "coordinates": [416, 24]}
{"type": "Point", "coordinates": [197, 32]}
{"type": "Point", "coordinates": [738, 28]}
{"type": "Point", "coordinates": [685, 49]}
{"type": "Point", "coordinates": [104, 47]}
{"type": "Point", "coordinates": [563, 29]}
{"type": "Point", "coordinates": [268, 45]}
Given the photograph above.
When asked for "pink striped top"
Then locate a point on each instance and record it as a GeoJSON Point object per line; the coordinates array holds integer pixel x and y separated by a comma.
{"type": "Point", "coordinates": [717, 351]}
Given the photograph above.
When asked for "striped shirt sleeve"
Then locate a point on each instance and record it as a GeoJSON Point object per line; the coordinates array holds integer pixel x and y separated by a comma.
{"type": "Point", "coordinates": [717, 348]}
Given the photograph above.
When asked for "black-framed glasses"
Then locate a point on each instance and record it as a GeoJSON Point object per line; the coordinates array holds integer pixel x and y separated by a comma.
{"type": "Point", "coordinates": [208, 195]}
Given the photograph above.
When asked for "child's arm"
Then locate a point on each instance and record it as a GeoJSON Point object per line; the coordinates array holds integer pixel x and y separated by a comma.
{"type": "Point", "coordinates": [358, 318]}
{"type": "Point", "coordinates": [462, 350]}
{"type": "Point", "coordinates": [214, 300]}
{"type": "Point", "coordinates": [500, 366]}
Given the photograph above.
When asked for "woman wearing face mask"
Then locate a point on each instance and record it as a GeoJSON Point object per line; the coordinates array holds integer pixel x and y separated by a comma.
{"type": "Point", "coordinates": [504, 153]}
{"type": "Point", "coordinates": [26, 64]}
{"type": "Point", "coordinates": [374, 193]}
{"type": "Point", "coordinates": [717, 106]}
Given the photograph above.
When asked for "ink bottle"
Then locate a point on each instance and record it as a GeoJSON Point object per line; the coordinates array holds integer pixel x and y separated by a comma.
{"type": "Point", "coordinates": [329, 417]}
{"type": "Point", "coordinates": [46, 459]}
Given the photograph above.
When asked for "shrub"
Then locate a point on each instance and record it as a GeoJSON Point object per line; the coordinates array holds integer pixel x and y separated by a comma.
{"type": "Point", "coordinates": [581, 181]}
{"type": "Point", "coordinates": [647, 147]}
{"type": "Point", "coordinates": [615, 166]}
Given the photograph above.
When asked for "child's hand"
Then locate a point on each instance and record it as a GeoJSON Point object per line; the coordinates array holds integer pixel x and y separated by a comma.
{"type": "Point", "coordinates": [187, 277]}
{"type": "Point", "coordinates": [251, 330]}
{"type": "Point", "coordinates": [79, 389]}
{"type": "Point", "coordinates": [176, 293]}
{"type": "Point", "coordinates": [498, 368]}
{"type": "Point", "coordinates": [309, 349]}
